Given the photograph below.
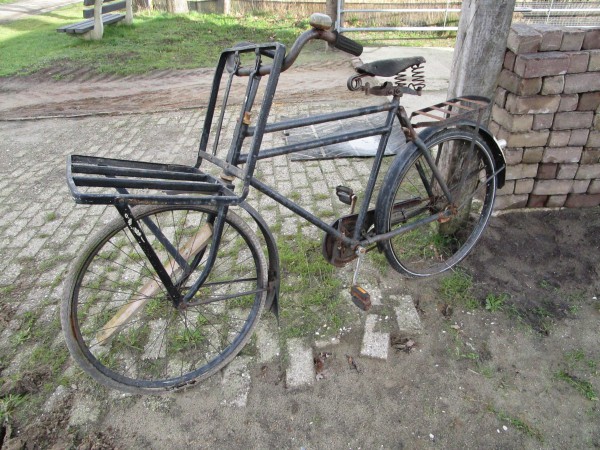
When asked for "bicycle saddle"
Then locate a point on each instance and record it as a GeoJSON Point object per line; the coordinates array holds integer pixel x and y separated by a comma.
{"type": "Point", "coordinates": [389, 67]}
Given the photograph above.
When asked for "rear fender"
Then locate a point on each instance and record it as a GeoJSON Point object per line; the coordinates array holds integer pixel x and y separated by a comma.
{"type": "Point", "coordinates": [495, 146]}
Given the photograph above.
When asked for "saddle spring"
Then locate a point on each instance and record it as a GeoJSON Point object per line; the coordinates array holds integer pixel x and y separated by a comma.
{"type": "Point", "coordinates": [417, 78]}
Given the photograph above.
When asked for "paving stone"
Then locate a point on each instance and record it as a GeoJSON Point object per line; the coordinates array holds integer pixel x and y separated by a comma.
{"type": "Point", "coordinates": [523, 39]}
{"type": "Point", "coordinates": [301, 370]}
{"type": "Point", "coordinates": [236, 382]}
{"type": "Point", "coordinates": [551, 37]}
{"type": "Point", "coordinates": [86, 411]}
{"type": "Point", "coordinates": [267, 342]}
{"type": "Point", "coordinates": [542, 64]}
{"type": "Point", "coordinates": [10, 274]}
{"type": "Point", "coordinates": [55, 400]}
{"type": "Point", "coordinates": [374, 344]}
{"type": "Point", "coordinates": [406, 315]}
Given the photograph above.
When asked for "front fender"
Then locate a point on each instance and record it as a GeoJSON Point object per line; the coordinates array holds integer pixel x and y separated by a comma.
{"type": "Point", "coordinates": [273, 259]}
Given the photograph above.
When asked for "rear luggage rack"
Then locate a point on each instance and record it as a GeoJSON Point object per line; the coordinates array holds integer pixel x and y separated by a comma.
{"type": "Point", "coordinates": [468, 107]}
{"type": "Point", "coordinates": [108, 181]}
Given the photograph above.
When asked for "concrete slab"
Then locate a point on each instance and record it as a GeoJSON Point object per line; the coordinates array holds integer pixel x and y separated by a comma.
{"type": "Point", "coordinates": [375, 344]}
{"type": "Point", "coordinates": [301, 371]}
{"type": "Point", "coordinates": [236, 382]}
{"type": "Point", "coordinates": [267, 342]}
{"type": "Point", "coordinates": [406, 314]}
{"type": "Point", "coordinates": [25, 8]}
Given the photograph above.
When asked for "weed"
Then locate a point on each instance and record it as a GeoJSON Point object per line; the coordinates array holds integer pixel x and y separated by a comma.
{"type": "Point", "coordinates": [321, 196]}
{"type": "Point", "coordinates": [457, 289]}
{"type": "Point", "coordinates": [578, 359]}
{"type": "Point", "coordinates": [545, 284]}
{"type": "Point", "coordinates": [582, 386]}
{"type": "Point", "coordinates": [518, 423]}
{"type": "Point", "coordinates": [26, 329]}
{"type": "Point", "coordinates": [6, 290]}
{"type": "Point", "coordinates": [50, 216]}
{"type": "Point", "coordinates": [379, 260]}
{"type": "Point", "coordinates": [494, 303]}
{"type": "Point", "coordinates": [8, 405]}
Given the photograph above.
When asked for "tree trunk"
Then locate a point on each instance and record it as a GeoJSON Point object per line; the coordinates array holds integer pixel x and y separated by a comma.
{"type": "Point", "coordinates": [177, 6]}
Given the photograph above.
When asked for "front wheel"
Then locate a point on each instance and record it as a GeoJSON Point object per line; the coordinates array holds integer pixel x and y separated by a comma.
{"type": "Point", "coordinates": [410, 195]}
{"type": "Point", "coordinates": [119, 323]}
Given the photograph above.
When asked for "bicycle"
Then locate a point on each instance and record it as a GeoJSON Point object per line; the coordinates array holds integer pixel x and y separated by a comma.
{"type": "Point", "coordinates": [169, 293]}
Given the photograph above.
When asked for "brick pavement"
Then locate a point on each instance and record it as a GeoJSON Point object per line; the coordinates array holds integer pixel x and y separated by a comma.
{"type": "Point", "coordinates": [42, 230]}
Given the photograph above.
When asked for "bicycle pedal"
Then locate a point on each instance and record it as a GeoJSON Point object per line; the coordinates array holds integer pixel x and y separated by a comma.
{"type": "Point", "coordinates": [360, 297]}
{"type": "Point", "coordinates": [344, 194]}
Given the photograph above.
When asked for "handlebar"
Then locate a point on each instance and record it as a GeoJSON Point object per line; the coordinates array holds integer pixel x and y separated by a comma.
{"type": "Point", "coordinates": [321, 25]}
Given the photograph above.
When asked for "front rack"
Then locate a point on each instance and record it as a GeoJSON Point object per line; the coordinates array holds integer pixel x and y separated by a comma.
{"type": "Point", "coordinates": [468, 107]}
{"type": "Point", "coordinates": [106, 181]}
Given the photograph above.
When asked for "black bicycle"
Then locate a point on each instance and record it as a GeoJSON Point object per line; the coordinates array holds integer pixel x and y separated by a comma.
{"type": "Point", "coordinates": [168, 294]}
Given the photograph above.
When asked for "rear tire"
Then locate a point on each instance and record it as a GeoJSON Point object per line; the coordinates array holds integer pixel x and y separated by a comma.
{"type": "Point", "coordinates": [410, 193]}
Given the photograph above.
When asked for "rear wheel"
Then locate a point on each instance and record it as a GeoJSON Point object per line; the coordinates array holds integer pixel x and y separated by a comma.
{"type": "Point", "coordinates": [119, 323]}
{"type": "Point", "coordinates": [411, 193]}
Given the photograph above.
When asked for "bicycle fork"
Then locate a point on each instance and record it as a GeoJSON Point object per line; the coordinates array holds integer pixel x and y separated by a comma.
{"type": "Point", "coordinates": [210, 232]}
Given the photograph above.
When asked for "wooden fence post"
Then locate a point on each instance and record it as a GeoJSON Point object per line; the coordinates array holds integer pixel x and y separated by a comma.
{"type": "Point", "coordinates": [331, 11]}
{"type": "Point", "coordinates": [224, 6]}
{"type": "Point", "coordinates": [480, 46]}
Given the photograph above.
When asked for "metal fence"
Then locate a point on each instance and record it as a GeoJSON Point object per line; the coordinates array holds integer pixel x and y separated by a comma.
{"type": "Point", "coordinates": [565, 13]}
{"type": "Point", "coordinates": [443, 15]}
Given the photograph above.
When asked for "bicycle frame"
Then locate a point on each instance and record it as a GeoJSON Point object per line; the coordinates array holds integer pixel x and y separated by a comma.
{"type": "Point", "coordinates": [175, 183]}
{"type": "Point", "coordinates": [244, 130]}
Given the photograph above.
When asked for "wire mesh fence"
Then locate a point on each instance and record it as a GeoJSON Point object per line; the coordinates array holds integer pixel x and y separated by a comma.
{"type": "Point", "coordinates": [415, 14]}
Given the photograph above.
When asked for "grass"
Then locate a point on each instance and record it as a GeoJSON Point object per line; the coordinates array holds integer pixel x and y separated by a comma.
{"type": "Point", "coordinates": [457, 290]}
{"type": "Point", "coordinates": [518, 423]}
{"type": "Point", "coordinates": [310, 292]}
{"type": "Point", "coordinates": [155, 41]}
{"type": "Point", "coordinates": [579, 363]}
{"type": "Point", "coordinates": [8, 405]}
{"type": "Point", "coordinates": [584, 387]}
{"type": "Point", "coordinates": [158, 41]}
{"type": "Point", "coordinates": [494, 303]}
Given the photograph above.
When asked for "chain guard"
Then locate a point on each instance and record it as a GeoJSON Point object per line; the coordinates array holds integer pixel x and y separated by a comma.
{"type": "Point", "coordinates": [334, 250]}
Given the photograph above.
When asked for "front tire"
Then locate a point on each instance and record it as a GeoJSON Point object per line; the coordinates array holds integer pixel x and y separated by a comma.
{"type": "Point", "coordinates": [160, 347]}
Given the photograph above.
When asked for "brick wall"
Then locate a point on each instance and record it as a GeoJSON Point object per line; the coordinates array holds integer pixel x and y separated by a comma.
{"type": "Point", "coordinates": [547, 107]}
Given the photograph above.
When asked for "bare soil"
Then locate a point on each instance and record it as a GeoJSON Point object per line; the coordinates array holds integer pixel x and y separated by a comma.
{"type": "Point", "coordinates": [61, 91]}
{"type": "Point", "coordinates": [474, 378]}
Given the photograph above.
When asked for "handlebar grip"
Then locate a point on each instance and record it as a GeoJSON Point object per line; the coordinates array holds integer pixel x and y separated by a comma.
{"type": "Point", "coordinates": [347, 45]}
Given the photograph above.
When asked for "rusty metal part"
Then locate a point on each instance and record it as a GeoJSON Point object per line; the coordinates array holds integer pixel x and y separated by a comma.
{"type": "Point", "coordinates": [461, 108]}
{"type": "Point", "coordinates": [417, 81]}
{"type": "Point", "coordinates": [247, 118]}
{"type": "Point", "coordinates": [360, 297]}
{"type": "Point", "coordinates": [354, 83]}
{"type": "Point", "coordinates": [334, 250]}
{"type": "Point", "coordinates": [386, 89]}
{"type": "Point", "coordinates": [226, 177]}
{"type": "Point", "coordinates": [451, 211]}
